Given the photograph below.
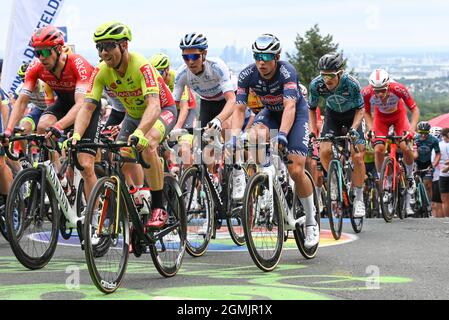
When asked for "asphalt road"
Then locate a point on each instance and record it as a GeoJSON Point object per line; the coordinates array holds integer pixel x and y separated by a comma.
{"type": "Point", "coordinates": [402, 260]}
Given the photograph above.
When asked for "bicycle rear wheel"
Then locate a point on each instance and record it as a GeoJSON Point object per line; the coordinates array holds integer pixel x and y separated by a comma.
{"type": "Point", "coordinates": [426, 209]}
{"type": "Point", "coordinates": [300, 231]}
{"type": "Point", "coordinates": [167, 253]}
{"type": "Point", "coordinates": [106, 235]}
{"type": "Point", "coordinates": [263, 227]}
{"type": "Point", "coordinates": [234, 213]}
{"type": "Point", "coordinates": [388, 193]}
{"type": "Point", "coordinates": [32, 229]}
{"type": "Point", "coordinates": [334, 202]}
{"type": "Point", "coordinates": [196, 195]}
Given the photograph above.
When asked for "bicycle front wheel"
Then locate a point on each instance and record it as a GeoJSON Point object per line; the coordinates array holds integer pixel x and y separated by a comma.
{"type": "Point", "coordinates": [388, 193]}
{"type": "Point", "coordinates": [334, 201]}
{"type": "Point", "coordinates": [167, 253]}
{"type": "Point", "coordinates": [32, 224]}
{"type": "Point", "coordinates": [106, 235]}
{"type": "Point", "coordinates": [263, 224]}
{"type": "Point", "coordinates": [234, 213]}
{"type": "Point", "coordinates": [300, 231]}
{"type": "Point", "coordinates": [196, 196]}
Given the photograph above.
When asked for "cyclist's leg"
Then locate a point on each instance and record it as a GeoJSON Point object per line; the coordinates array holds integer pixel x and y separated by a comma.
{"type": "Point", "coordinates": [155, 174]}
{"type": "Point", "coordinates": [86, 156]}
{"type": "Point", "coordinates": [380, 128]}
{"type": "Point", "coordinates": [298, 139]}
{"type": "Point", "coordinates": [358, 176]}
{"type": "Point", "coordinates": [260, 133]}
{"type": "Point", "coordinates": [400, 126]}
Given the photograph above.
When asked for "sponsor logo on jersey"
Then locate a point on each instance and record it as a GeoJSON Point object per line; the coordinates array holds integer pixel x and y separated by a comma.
{"type": "Point", "coordinates": [81, 68]}
{"type": "Point", "coordinates": [92, 79]}
{"type": "Point", "coordinates": [128, 94]}
{"type": "Point", "coordinates": [148, 76]}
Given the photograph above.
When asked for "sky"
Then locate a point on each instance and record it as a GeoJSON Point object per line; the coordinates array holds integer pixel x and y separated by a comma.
{"type": "Point", "coordinates": [358, 26]}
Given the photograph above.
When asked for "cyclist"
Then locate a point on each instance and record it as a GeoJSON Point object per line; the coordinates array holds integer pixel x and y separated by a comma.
{"type": "Point", "coordinates": [444, 171]}
{"type": "Point", "coordinates": [388, 98]}
{"type": "Point", "coordinates": [210, 78]}
{"type": "Point", "coordinates": [426, 143]}
{"type": "Point", "coordinates": [437, 210]}
{"type": "Point", "coordinates": [344, 107]}
{"type": "Point", "coordinates": [150, 108]}
{"type": "Point", "coordinates": [41, 97]}
{"type": "Point", "coordinates": [275, 82]}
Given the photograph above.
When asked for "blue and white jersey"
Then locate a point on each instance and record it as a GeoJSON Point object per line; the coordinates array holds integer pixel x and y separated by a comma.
{"type": "Point", "coordinates": [344, 98]}
{"type": "Point", "coordinates": [211, 84]}
{"type": "Point", "coordinates": [272, 92]}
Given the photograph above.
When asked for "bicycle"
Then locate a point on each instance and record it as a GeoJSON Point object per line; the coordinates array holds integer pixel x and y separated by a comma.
{"type": "Point", "coordinates": [393, 184]}
{"type": "Point", "coordinates": [109, 212]}
{"type": "Point", "coordinates": [39, 198]}
{"type": "Point", "coordinates": [271, 209]}
{"type": "Point", "coordinates": [421, 206]}
{"type": "Point", "coordinates": [371, 196]}
{"type": "Point", "coordinates": [208, 200]}
{"type": "Point", "coordinates": [340, 193]}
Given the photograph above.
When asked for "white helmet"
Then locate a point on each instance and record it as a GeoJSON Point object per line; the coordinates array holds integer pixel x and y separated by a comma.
{"type": "Point", "coordinates": [267, 43]}
{"type": "Point", "coordinates": [436, 131]}
{"type": "Point", "coordinates": [379, 79]}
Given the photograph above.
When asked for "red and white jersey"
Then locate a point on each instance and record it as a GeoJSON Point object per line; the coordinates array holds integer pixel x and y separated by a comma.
{"type": "Point", "coordinates": [397, 96]}
{"type": "Point", "coordinates": [74, 77]}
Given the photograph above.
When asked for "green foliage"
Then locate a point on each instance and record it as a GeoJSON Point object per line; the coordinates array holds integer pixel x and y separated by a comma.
{"type": "Point", "coordinates": [310, 49]}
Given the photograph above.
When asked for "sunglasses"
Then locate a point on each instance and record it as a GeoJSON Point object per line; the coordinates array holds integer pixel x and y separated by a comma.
{"type": "Point", "coordinates": [380, 90]}
{"type": "Point", "coordinates": [424, 132]}
{"type": "Point", "coordinates": [264, 57]}
{"type": "Point", "coordinates": [329, 75]}
{"type": "Point", "coordinates": [161, 71]}
{"type": "Point", "coordinates": [191, 56]}
{"type": "Point", "coordinates": [43, 52]}
{"type": "Point", "coordinates": [108, 46]}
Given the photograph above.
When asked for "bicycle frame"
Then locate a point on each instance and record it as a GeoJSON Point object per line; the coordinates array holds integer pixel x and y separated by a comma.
{"type": "Point", "coordinates": [68, 210]}
{"type": "Point", "coordinates": [277, 166]}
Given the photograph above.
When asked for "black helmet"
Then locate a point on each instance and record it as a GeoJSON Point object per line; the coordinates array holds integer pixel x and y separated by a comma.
{"type": "Point", "coordinates": [331, 61]}
{"type": "Point", "coordinates": [423, 127]}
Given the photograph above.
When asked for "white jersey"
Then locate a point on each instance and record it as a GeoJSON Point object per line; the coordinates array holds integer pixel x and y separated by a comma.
{"type": "Point", "coordinates": [436, 171]}
{"type": "Point", "coordinates": [444, 149]}
{"type": "Point", "coordinates": [211, 84]}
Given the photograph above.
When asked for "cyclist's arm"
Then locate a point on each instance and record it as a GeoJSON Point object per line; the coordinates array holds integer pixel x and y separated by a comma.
{"type": "Point", "coordinates": [415, 118]}
{"type": "Point", "coordinates": [358, 117]}
{"type": "Point", "coordinates": [17, 111]}
{"type": "Point", "coordinates": [183, 112]}
{"type": "Point", "coordinates": [238, 118]}
{"type": "Point", "coordinates": [151, 114]}
{"type": "Point", "coordinates": [313, 121]}
{"type": "Point", "coordinates": [70, 117]}
{"type": "Point", "coordinates": [5, 112]}
{"type": "Point", "coordinates": [229, 106]}
{"type": "Point", "coordinates": [288, 116]}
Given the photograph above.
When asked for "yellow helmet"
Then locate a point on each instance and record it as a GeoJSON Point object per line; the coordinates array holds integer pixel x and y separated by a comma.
{"type": "Point", "coordinates": [112, 30]}
{"type": "Point", "coordinates": [160, 61]}
{"type": "Point", "coordinates": [22, 70]}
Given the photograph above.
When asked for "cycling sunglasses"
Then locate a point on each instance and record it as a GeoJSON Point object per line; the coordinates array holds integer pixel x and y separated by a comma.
{"type": "Point", "coordinates": [191, 56]}
{"type": "Point", "coordinates": [264, 57]}
{"type": "Point", "coordinates": [383, 90]}
{"type": "Point", "coordinates": [108, 46]}
{"type": "Point", "coordinates": [329, 75]}
{"type": "Point", "coordinates": [43, 52]}
{"type": "Point", "coordinates": [161, 71]}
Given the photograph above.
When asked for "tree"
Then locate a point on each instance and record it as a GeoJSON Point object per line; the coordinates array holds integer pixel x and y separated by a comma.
{"type": "Point", "coordinates": [310, 49]}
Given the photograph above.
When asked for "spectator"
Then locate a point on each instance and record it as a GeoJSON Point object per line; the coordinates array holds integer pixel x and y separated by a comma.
{"type": "Point", "coordinates": [444, 174]}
